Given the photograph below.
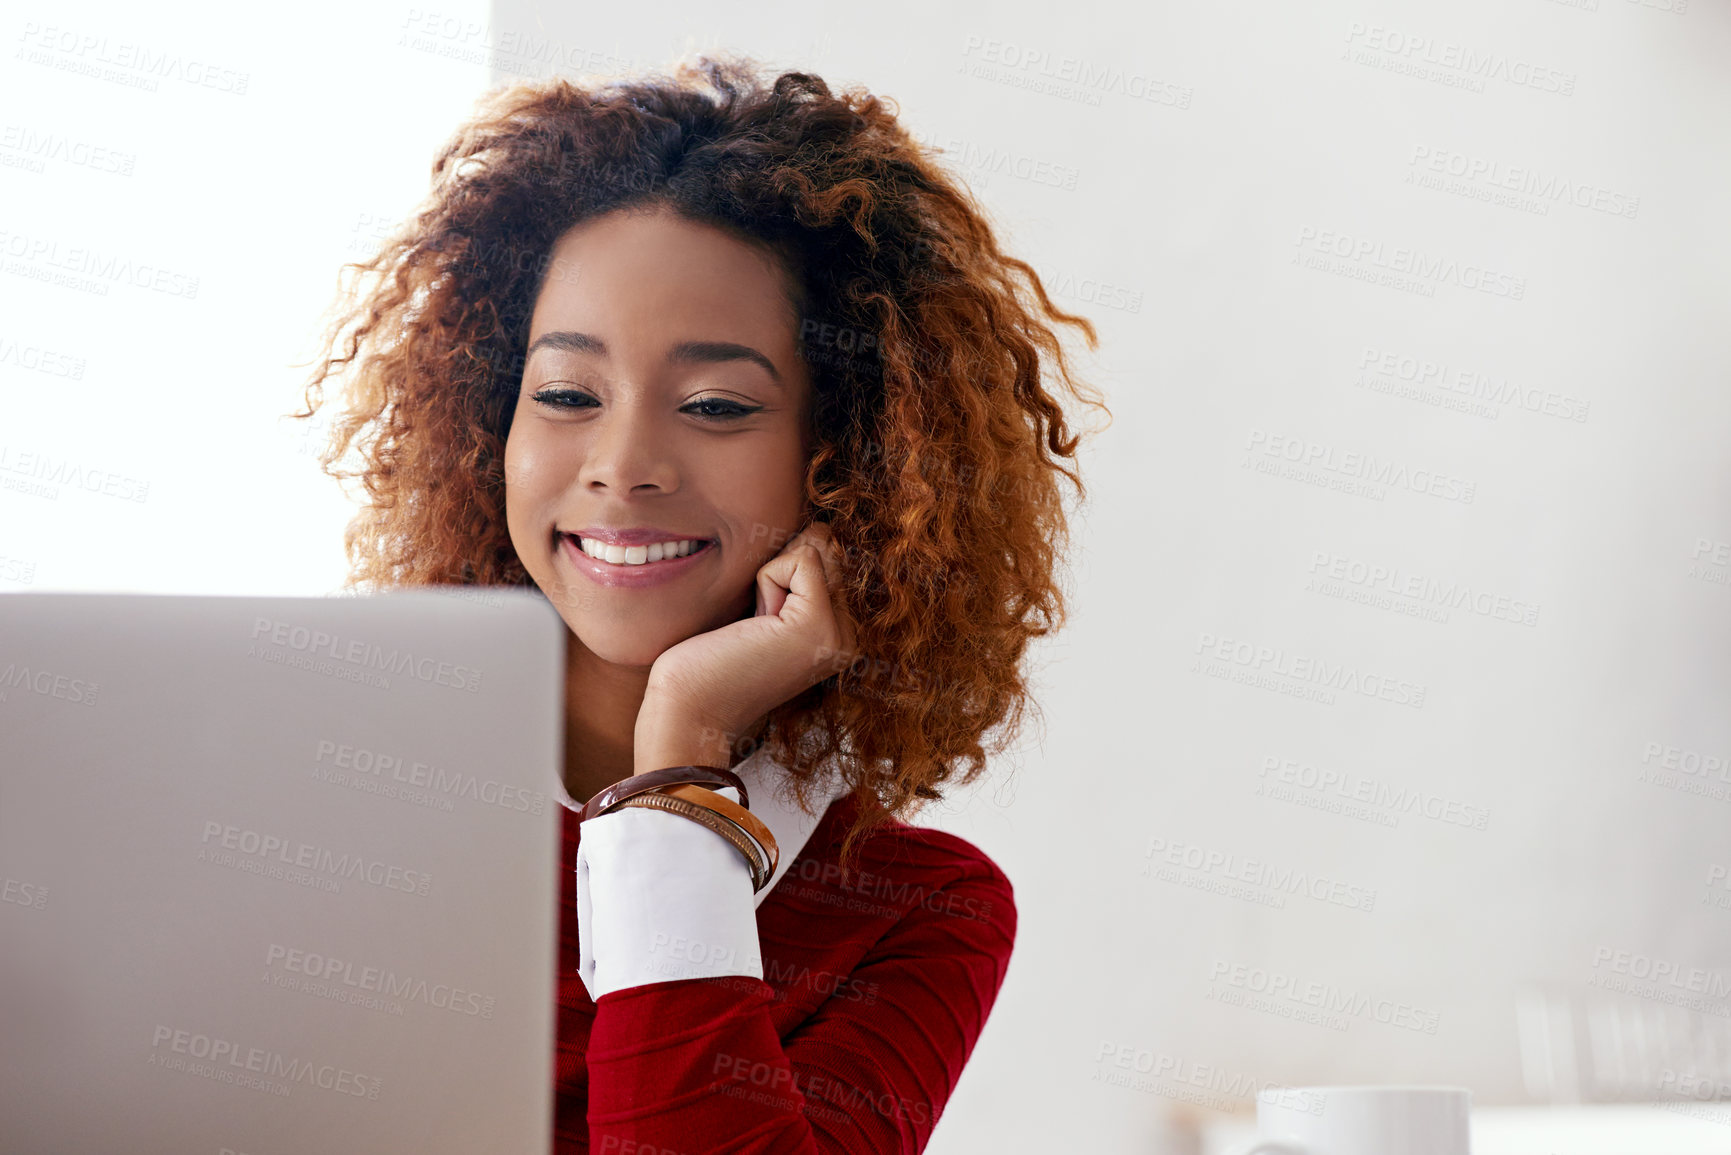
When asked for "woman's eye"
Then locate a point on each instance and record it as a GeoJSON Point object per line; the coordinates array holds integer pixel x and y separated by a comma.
{"type": "Point", "coordinates": [720, 407]}
{"type": "Point", "coordinates": [712, 408]}
{"type": "Point", "coordinates": [563, 398]}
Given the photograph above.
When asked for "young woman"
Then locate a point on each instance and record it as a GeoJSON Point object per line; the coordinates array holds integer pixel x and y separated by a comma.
{"type": "Point", "coordinates": [738, 378]}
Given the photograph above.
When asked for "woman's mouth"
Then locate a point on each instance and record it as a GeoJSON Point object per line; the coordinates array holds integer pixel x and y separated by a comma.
{"type": "Point", "coordinates": [636, 555]}
{"type": "Point", "coordinates": [634, 566]}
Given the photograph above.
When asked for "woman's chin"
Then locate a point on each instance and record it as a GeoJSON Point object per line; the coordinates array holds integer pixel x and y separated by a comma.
{"type": "Point", "coordinates": [638, 640]}
{"type": "Point", "coordinates": [624, 651]}
{"type": "Point", "coordinates": [634, 643]}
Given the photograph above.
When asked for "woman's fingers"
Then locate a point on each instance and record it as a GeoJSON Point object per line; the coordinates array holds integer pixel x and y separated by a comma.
{"type": "Point", "coordinates": [810, 568]}
{"type": "Point", "coordinates": [774, 578]}
{"type": "Point", "coordinates": [828, 557]}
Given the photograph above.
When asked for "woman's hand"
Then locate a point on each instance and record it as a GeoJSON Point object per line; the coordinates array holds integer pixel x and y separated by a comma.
{"type": "Point", "coordinates": [707, 691]}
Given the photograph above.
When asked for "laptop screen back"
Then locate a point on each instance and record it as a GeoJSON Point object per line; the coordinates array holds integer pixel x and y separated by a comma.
{"type": "Point", "coordinates": [279, 874]}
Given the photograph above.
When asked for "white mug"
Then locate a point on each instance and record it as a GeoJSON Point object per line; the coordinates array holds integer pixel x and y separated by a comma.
{"type": "Point", "coordinates": [1361, 1121]}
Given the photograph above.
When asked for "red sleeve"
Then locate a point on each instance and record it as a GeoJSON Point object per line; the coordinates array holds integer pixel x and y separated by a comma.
{"type": "Point", "coordinates": [695, 1065]}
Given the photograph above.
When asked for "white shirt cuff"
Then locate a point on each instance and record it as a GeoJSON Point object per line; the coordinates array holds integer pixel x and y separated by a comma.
{"type": "Point", "coordinates": [663, 898]}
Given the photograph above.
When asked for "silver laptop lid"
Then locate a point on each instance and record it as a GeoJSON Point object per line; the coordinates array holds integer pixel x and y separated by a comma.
{"type": "Point", "coordinates": [278, 874]}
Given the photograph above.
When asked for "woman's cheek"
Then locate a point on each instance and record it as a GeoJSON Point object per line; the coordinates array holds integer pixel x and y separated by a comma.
{"type": "Point", "coordinates": [525, 492]}
{"type": "Point", "coordinates": [521, 461]}
{"type": "Point", "coordinates": [534, 468]}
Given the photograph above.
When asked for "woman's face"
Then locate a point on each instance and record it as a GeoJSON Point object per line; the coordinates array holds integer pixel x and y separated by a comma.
{"type": "Point", "coordinates": [662, 394]}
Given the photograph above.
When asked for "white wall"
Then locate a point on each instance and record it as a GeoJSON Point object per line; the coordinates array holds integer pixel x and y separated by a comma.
{"type": "Point", "coordinates": [1274, 132]}
{"type": "Point", "coordinates": [194, 175]}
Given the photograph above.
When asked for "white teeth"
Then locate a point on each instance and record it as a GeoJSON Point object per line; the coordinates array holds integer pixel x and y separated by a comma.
{"type": "Point", "coordinates": [637, 554]}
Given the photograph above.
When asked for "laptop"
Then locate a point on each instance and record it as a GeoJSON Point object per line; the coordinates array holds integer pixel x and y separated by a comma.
{"type": "Point", "coordinates": [279, 874]}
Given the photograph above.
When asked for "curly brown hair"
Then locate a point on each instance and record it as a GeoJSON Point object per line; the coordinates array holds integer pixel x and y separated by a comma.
{"type": "Point", "coordinates": [938, 445]}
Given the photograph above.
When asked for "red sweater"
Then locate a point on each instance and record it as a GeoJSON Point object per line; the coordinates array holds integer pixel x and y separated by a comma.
{"type": "Point", "coordinates": [875, 987]}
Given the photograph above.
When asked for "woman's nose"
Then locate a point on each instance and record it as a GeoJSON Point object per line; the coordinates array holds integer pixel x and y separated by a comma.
{"type": "Point", "coordinates": [629, 449]}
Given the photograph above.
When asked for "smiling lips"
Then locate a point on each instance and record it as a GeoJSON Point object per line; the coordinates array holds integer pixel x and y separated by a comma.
{"type": "Point", "coordinates": [632, 555]}
{"type": "Point", "coordinates": [634, 566]}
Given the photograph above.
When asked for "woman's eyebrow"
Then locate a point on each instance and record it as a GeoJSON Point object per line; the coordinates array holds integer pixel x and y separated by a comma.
{"type": "Point", "coordinates": [685, 352]}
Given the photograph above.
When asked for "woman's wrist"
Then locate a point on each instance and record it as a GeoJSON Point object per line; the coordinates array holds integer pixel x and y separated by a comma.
{"type": "Point", "coordinates": [670, 733]}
